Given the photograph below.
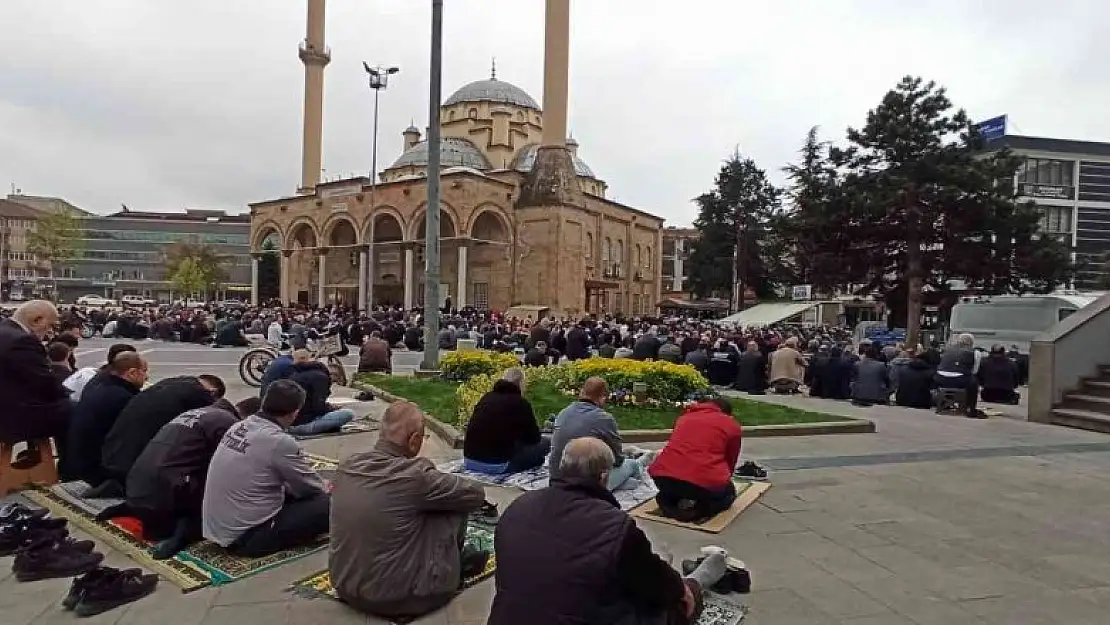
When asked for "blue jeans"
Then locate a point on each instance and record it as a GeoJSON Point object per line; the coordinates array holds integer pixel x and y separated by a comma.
{"type": "Point", "coordinates": [619, 475]}
{"type": "Point", "coordinates": [325, 423]}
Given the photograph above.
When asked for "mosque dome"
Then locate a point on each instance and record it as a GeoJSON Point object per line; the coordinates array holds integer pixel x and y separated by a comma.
{"type": "Point", "coordinates": [526, 158]}
{"type": "Point", "coordinates": [493, 90]}
{"type": "Point", "coordinates": [453, 152]}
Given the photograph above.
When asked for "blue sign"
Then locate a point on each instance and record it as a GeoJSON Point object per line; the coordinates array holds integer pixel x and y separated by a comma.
{"type": "Point", "coordinates": [993, 128]}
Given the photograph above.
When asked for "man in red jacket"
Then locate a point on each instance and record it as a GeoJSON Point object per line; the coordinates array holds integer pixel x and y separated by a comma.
{"type": "Point", "coordinates": [694, 470]}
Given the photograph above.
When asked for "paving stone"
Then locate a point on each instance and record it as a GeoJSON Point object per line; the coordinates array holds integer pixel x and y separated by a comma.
{"type": "Point", "coordinates": [784, 606]}
{"type": "Point", "coordinates": [273, 613]}
{"type": "Point", "coordinates": [185, 608]}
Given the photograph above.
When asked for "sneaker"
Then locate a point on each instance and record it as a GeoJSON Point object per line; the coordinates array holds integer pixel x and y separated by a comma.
{"type": "Point", "coordinates": [93, 577]}
{"type": "Point", "coordinates": [736, 578]}
{"type": "Point", "coordinates": [751, 471]}
{"type": "Point", "coordinates": [115, 590]}
{"type": "Point", "coordinates": [13, 538]}
{"type": "Point", "coordinates": [18, 513]}
{"type": "Point", "coordinates": [47, 560]}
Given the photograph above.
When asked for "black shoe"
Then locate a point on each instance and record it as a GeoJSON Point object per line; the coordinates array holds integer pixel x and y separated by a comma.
{"type": "Point", "coordinates": [49, 560]}
{"type": "Point", "coordinates": [686, 511]}
{"type": "Point", "coordinates": [17, 513]}
{"type": "Point", "coordinates": [115, 590]}
{"type": "Point", "coordinates": [751, 471]}
{"type": "Point", "coordinates": [736, 577]}
{"type": "Point", "coordinates": [108, 489]}
{"type": "Point", "coordinates": [88, 580]}
{"type": "Point", "coordinates": [365, 396]}
{"type": "Point", "coordinates": [473, 562]}
{"type": "Point", "coordinates": [16, 537]}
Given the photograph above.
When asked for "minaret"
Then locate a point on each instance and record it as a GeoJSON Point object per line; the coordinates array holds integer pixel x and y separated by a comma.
{"type": "Point", "coordinates": [552, 181]}
{"type": "Point", "coordinates": [315, 55]}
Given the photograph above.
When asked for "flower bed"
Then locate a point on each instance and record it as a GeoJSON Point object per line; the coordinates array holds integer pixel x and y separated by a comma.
{"type": "Point", "coordinates": [460, 366]}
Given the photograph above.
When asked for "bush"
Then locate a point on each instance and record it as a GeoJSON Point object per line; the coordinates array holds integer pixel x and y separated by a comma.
{"type": "Point", "coordinates": [461, 366]}
{"type": "Point", "coordinates": [666, 382]}
{"type": "Point", "coordinates": [470, 392]}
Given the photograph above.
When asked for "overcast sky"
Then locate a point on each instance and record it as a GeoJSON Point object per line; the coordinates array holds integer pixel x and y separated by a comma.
{"type": "Point", "coordinates": [161, 105]}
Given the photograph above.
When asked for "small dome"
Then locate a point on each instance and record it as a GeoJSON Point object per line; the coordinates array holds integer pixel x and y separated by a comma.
{"type": "Point", "coordinates": [493, 90]}
{"type": "Point", "coordinates": [526, 158]}
{"type": "Point", "coordinates": [411, 130]}
{"type": "Point", "coordinates": [453, 152]}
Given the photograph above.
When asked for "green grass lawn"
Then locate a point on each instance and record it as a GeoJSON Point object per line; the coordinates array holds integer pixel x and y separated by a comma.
{"type": "Point", "coordinates": [437, 398]}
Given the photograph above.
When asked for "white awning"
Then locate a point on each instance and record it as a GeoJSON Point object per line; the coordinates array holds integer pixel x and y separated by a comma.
{"type": "Point", "coordinates": [766, 314]}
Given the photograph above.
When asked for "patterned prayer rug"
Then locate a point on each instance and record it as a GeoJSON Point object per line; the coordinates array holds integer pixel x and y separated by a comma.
{"type": "Point", "coordinates": [203, 564]}
{"type": "Point", "coordinates": [477, 534]}
{"type": "Point", "coordinates": [631, 494]}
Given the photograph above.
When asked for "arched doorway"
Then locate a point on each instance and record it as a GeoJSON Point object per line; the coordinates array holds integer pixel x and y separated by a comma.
{"type": "Point", "coordinates": [302, 279]}
{"type": "Point", "coordinates": [487, 271]}
{"type": "Point", "coordinates": [388, 267]}
{"type": "Point", "coordinates": [341, 265]}
{"type": "Point", "coordinates": [448, 259]}
{"type": "Point", "coordinates": [269, 266]}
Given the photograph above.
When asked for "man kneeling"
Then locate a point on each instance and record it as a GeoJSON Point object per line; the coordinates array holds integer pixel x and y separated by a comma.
{"type": "Point", "coordinates": [569, 554]}
{"type": "Point", "coordinates": [398, 525]}
{"type": "Point", "coordinates": [262, 494]}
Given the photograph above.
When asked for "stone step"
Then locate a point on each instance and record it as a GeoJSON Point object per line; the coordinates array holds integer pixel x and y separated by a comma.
{"type": "Point", "coordinates": [1082, 401]}
{"type": "Point", "coordinates": [1096, 386]}
{"type": "Point", "coordinates": [1081, 419]}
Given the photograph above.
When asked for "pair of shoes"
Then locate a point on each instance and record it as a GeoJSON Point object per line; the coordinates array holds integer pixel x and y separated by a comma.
{"type": "Point", "coordinates": [751, 471]}
{"type": "Point", "coordinates": [47, 556]}
{"type": "Point", "coordinates": [104, 588]}
{"type": "Point", "coordinates": [16, 512]}
{"type": "Point", "coordinates": [736, 577]}
{"type": "Point", "coordinates": [365, 396]}
{"type": "Point", "coordinates": [23, 527]}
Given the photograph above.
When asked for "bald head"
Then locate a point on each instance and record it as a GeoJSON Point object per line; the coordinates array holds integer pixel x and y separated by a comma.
{"type": "Point", "coordinates": [38, 316]}
{"type": "Point", "coordinates": [586, 458]}
{"type": "Point", "coordinates": [301, 356]}
{"type": "Point", "coordinates": [594, 389]}
{"type": "Point", "coordinates": [403, 425]}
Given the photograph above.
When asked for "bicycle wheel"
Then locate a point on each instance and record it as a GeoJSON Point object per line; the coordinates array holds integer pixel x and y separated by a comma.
{"type": "Point", "coordinates": [252, 366]}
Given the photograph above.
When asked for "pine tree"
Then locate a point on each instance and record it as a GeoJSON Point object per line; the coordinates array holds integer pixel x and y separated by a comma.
{"type": "Point", "coordinates": [734, 222]}
{"type": "Point", "coordinates": [923, 204]}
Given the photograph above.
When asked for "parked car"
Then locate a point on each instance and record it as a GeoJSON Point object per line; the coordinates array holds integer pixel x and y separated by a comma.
{"type": "Point", "coordinates": [231, 304]}
{"type": "Point", "coordinates": [95, 300]}
{"type": "Point", "coordinates": [190, 303]}
{"type": "Point", "coordinates": [137, 300]}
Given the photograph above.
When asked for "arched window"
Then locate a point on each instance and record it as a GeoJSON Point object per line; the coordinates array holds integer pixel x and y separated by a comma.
{"type": "Point", "coordinates": [647, 261]}
{"type": "Point", "coordinates": [473, 114]}
{"type": "Point", "coordinates": [636, 258]}
{"type": "Point", "coordinates": [606, 250]}
{"type": "Point", "coordinates": [450, 116]}
{"type": "Point", "coordinates": [620, 251]}
{"type": "Point", "coordinates": [589, 245]}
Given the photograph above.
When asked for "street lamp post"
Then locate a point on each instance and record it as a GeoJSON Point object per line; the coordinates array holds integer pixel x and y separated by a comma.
{"type": "Point", "coordinates": [379, 80]}
{"type": "Point", "coordinates": [431, 230]}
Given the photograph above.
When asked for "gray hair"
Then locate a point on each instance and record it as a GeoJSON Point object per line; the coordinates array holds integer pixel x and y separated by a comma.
{"type": "Point", "coordinates": [966, 340]}
{"type": "Point", "coordinates": [586, 458]}
{"type": "Point", "coordinates": [516, 376]}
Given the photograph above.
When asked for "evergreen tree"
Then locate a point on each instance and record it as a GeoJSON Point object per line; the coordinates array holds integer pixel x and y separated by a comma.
{"type": "Point", "coordinates": [734, 223]}
{"type": "Point", "coordinates": [923, 204]}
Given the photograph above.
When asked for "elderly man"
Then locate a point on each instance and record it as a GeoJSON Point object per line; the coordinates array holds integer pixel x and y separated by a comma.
{"type": "Point", "coordinates": [34, 403]}
{"type": "Point", "coordinates": [375, 355]}
{"type": "Point", "coordinates": [398, 524]}
{"type": "Point", "coordinates": [787, 367]}
{"type": "Point", "coordinates": [959, 365]}
{"type": "Point", "coordinates": [587, 417]}
{"type": "Point", "coordinates": [502, 435]}
{"type": "Point", "coordinates": [569, 554]}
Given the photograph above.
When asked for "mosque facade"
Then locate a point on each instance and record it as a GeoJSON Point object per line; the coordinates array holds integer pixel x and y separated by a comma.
{"type": "Point", "coordinates": [351, 242]}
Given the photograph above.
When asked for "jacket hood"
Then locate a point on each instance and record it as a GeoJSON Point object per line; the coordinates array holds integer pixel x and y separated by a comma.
{"type": "Point", "coordinates": [504, 386]}
{"type": "Point", "coordinates": [591, 488]}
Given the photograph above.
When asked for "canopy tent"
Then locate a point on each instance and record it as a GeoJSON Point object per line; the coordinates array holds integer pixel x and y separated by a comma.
{"type": "Point", "coordinates": [766, 314]}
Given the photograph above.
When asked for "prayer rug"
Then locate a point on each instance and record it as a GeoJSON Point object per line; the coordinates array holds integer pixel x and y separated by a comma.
{"type": "Point", "coordinates": [746, 494]}
{"type": "Point", "coordinates": [354, 426]}
{"type": "Point", "coordinates": [480, 535]}
{"type": "Point", "coordinates": [203, 564]}
{"type": "Point", "coordinates": [631, 494]}
{"type": "Point", "coordinates": [720, 611]}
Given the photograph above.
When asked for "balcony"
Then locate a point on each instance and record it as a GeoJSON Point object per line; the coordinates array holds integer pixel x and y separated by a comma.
{"type": "Point", "coordinates": [311, 55]}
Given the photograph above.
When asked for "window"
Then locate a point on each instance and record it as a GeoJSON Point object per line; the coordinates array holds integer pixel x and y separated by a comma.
{"type": "Point", "coordinates": [638, 259]}
{"type": "Point", "coordinates": [668, 248]}
{"type": "Point", "coordinates": [1056, 219]}
{"type": "Point", "coordinates": [589, 245]}
{"type": "Point", "coordinates": [620, 252]}
{"type": "Point", "coordinates": [607, 250]}
{"type": "Point", "coordinates": [473, 114]}
{"type": "Point", "coordinates": [648, 262]}
{"type": "Point", "coordinates": [166, 237]}
{"type": "Point", "coordinates": [635, 303]}
{"type": "Point", "coordinates": [481, 295]}
{"type": "Point", "coordinates": [1046, 171]}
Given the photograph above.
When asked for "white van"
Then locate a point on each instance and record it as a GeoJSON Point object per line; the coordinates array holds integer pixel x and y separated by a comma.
{"type": "Point", "coordinates": [1013, 320]}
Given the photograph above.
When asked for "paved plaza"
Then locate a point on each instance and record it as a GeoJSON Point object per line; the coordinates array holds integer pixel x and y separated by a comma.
{"type": "Point", "coordinates": [934, 520]}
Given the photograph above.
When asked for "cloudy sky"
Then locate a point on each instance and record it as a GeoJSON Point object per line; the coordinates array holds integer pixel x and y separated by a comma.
{"type": "Point", "coordinates": [161, 105]}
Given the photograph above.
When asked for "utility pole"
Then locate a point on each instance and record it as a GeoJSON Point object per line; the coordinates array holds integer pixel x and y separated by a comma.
{"type": "Point", "coordinates": [431, 219]}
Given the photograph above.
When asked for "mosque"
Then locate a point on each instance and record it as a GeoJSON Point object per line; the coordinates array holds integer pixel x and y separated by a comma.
{"type": "Point", "coordinates": [525, 222]}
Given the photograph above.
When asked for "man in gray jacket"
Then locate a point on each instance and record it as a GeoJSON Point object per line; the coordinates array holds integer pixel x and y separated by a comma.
{"type": "Point", "coordinates": [398, 525]}
{"type": "Point", "coordinates": [262, 494]}
{"type": "Point", "coordinates": [587, 417]}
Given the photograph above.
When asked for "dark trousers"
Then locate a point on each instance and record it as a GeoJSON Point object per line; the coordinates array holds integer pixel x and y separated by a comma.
{"type": "Point", "coordinates": [299, 522]}
{"type": "Point", "coordinates": [707, 503]}
{"type": "Point", "coordinates": [529, 456]}
{"type": "Point", "coordinates": [967, 382]}
{"type": "Point", "coordinates": [1000, 396]}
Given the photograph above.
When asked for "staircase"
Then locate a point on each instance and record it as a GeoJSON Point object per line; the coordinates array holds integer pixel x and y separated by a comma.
{"type": "Point", "coordinates": [1089, 407]}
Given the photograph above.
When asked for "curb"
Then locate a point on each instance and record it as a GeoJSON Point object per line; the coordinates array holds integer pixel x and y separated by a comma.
{"type": "Point", "coordinates": [449, 433]}
{"type": "Point", "coordinates": [454, 438]}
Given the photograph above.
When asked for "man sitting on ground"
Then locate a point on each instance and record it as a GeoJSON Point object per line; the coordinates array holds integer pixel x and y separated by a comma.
{"type": "Point", "coordinates": [957, 369]}
{"type": "Point", "coordinates": [694, 470]}
{"type": "Point", "coordinates": [165, 488]}
{"type": "Point", "coordinates": [398, 525]}
{"type": "Point", "coordinates": [97, 412]}
{"type": "Point", "coordinates": [587, 417]}
{"type": "Point", "coordinates": [144, 415]}
{"type": "Point", "coordinates": [262, 494]}
{"type": "Point", "coordinates": [569, 554]}
{"type": "Point", "coordinates": [316, 416]}
{"type": "Point", "coordinates": [87, 377]}
{"type": "Point", "coordinates": [375, 355]}
{"type": "Point", "coordinates": [999, 376]}
{"type": "Point", "coordinates": [787, 367]}
{"type": "Point", "coordinates": [502, 435]}
{"type": "Point", "coordinates": [280, 368]}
